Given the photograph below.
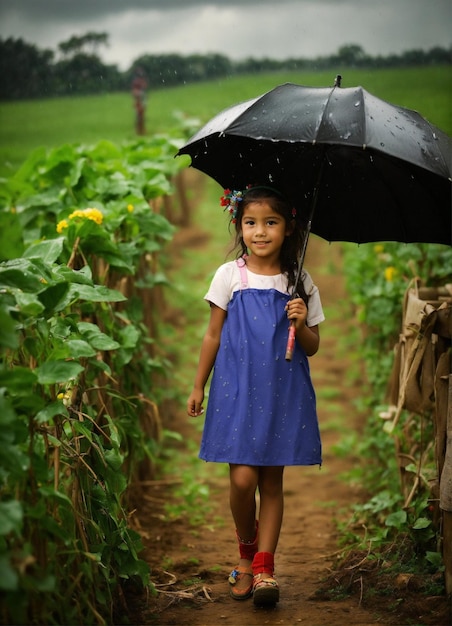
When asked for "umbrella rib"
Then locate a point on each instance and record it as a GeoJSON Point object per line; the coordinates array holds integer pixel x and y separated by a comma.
{"type": "Point", "coordinates": [325, 109]}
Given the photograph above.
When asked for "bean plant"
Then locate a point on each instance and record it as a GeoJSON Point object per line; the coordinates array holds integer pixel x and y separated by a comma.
{"type": "Point", "coordinates": [80, 237]}
{"type": "Point", "coordinates": [378, 276]}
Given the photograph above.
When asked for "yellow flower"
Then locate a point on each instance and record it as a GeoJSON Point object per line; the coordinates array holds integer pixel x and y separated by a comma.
{"type": "Point", "coordinates": [390, 272]}
{"type": "Point", "coordinates": [65, 396]}
{"type": "Point", "coordinates": [62, 225]}
{"type": "Point", "coordinates": [130, 208]}
{"type": "Point", "coordinates": [378, 248]}
{"type": "Point", "coordinates": [89, 214]}
{"type": "Point", "coordinates": [13, 209]}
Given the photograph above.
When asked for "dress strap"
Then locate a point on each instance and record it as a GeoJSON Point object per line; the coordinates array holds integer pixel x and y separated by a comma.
{"type": "Point", "coordinates": [241, 264]}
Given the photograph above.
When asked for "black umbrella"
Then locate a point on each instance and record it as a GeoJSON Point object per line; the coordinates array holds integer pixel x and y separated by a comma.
{"type": "Point", "coordinates": [357, 168]}
{"type": "Point", "coordinates": [381, 172]}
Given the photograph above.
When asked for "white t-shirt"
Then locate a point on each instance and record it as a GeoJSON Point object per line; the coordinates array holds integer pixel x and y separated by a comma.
{"type": "Point", "coordinates": [227, 280]}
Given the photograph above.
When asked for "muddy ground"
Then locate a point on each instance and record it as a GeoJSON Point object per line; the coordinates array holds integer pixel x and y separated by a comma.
{"type": "Point", "coordinates": [190, 565]}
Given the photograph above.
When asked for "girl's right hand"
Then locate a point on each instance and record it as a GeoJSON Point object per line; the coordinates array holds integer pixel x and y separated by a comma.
{"type": "Point", "coordinates": [194, 403]}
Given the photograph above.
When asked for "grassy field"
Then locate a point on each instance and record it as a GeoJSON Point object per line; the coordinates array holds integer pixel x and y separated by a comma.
{"type": "Point", "coordinates": [26, 125]}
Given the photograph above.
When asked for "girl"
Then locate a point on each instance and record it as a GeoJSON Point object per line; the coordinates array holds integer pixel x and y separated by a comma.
{"type": "Point", "coordinates": [261, 413]}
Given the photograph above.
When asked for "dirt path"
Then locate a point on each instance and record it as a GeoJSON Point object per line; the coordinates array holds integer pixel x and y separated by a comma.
{"type": "Point", "coordinates": [197, 561]}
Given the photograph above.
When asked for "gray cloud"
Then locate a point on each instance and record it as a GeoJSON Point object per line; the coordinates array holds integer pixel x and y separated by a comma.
{"type": "Point", "coordinates": [80, 10]}
{"type": "Point", "coordinates": [69, 8]}
{"type": "Point", "coordinates": [237, 29]}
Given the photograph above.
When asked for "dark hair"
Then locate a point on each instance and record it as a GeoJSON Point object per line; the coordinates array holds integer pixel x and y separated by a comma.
{"type": "Point", "coordinates": [293, 243]}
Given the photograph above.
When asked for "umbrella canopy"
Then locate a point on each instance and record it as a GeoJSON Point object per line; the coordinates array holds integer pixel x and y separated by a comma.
{"type": "Point", "coordinates": [363, 169]}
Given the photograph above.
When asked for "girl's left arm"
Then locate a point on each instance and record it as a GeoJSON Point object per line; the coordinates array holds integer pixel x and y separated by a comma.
{"type": "Point", "coordinates": [307, 336]}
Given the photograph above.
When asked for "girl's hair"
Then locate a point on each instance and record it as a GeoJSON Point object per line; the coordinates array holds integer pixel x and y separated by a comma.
{"type": "Point", "coordinates": [293, 243]}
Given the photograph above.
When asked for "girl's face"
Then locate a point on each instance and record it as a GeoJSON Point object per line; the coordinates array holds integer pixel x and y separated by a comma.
{"type": "Point", "coordinates": [263, 230]}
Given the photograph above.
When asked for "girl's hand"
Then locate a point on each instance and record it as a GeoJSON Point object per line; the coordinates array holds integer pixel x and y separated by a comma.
{"type": "Point", "coordinates": [194, 403]}
{"type": "Point", "coordinates": [297, 312]}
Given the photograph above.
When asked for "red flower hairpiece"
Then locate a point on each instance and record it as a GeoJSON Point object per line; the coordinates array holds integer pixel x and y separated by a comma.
{"type": "Point", "coordinates": [230, 201]}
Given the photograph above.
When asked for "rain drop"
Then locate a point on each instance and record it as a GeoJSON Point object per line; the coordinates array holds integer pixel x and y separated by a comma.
{"type": "Point", "coordinates": [357, 104]}
{"type": "Point", "coordinates": [382, 144]}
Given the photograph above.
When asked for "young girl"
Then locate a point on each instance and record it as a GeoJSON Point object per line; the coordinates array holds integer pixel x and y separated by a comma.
{"type": "Point", "coordinates": [261, 413]}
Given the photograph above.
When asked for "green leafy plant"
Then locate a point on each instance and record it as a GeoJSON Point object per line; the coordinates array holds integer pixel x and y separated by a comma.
{"type": "Point", "coordinates": [377, 279]}
{"type": "Point", "coordinates": [80, 237]}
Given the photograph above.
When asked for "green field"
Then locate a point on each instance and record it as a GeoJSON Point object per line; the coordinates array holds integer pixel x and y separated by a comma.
{"type": "Point", "coordinates": [25, 125]}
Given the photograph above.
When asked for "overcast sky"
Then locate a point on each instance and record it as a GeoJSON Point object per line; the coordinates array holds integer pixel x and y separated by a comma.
{"type": "Point", "coordinates": [239, 29]}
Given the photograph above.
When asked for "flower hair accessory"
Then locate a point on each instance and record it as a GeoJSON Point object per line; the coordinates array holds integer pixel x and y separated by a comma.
{"type": "Point", "coordinates": [230, 201]}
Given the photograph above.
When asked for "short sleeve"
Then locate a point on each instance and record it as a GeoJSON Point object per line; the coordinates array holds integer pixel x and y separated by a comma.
{"type": "Point", "coordinates": [315, 310]}
{"type": "Point", "coordinates": [219, 292]}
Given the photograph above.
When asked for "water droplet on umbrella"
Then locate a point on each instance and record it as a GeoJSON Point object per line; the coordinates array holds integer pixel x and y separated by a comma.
{"type": "Point", "coordinates": [357, 104]}
{"type": "Point", "coordinates": [382, 144]}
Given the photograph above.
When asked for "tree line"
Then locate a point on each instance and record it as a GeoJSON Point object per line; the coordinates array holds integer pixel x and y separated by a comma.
{"type": "Point", "coordinates": [30, 72]}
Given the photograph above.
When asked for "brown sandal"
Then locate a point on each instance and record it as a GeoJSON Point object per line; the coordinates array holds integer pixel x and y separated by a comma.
{"type": "Point", "coordinates": [265, 590]}
{"type": "Point", "coordinates": [238, 573]}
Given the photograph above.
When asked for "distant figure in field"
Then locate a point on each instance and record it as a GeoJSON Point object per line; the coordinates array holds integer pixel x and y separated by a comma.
{"type": "Point", "coordinates": [139, 86]}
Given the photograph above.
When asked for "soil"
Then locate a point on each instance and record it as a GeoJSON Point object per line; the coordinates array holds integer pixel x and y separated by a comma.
{"type": "Point", "coordinates": [190, 565]}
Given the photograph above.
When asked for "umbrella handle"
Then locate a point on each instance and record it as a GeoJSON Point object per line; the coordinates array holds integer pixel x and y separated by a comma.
{"type": "Point", "coordinates": [290, 342]}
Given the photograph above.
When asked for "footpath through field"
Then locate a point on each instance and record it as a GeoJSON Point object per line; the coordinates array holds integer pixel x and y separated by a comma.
{"type": "Point", "coordinates": [191, 565]}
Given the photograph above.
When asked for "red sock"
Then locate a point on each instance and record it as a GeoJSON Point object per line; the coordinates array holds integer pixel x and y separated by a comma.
{"type": "Point", "coordinates": [263, 562]}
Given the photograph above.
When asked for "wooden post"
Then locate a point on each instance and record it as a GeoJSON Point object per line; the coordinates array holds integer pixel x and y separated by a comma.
{"type": "Point", "coordinates": [445, 498]}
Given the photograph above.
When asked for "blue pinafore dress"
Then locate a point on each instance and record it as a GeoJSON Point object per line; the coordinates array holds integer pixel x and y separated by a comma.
{"type": "Point", "coordinates": [261, 408]}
